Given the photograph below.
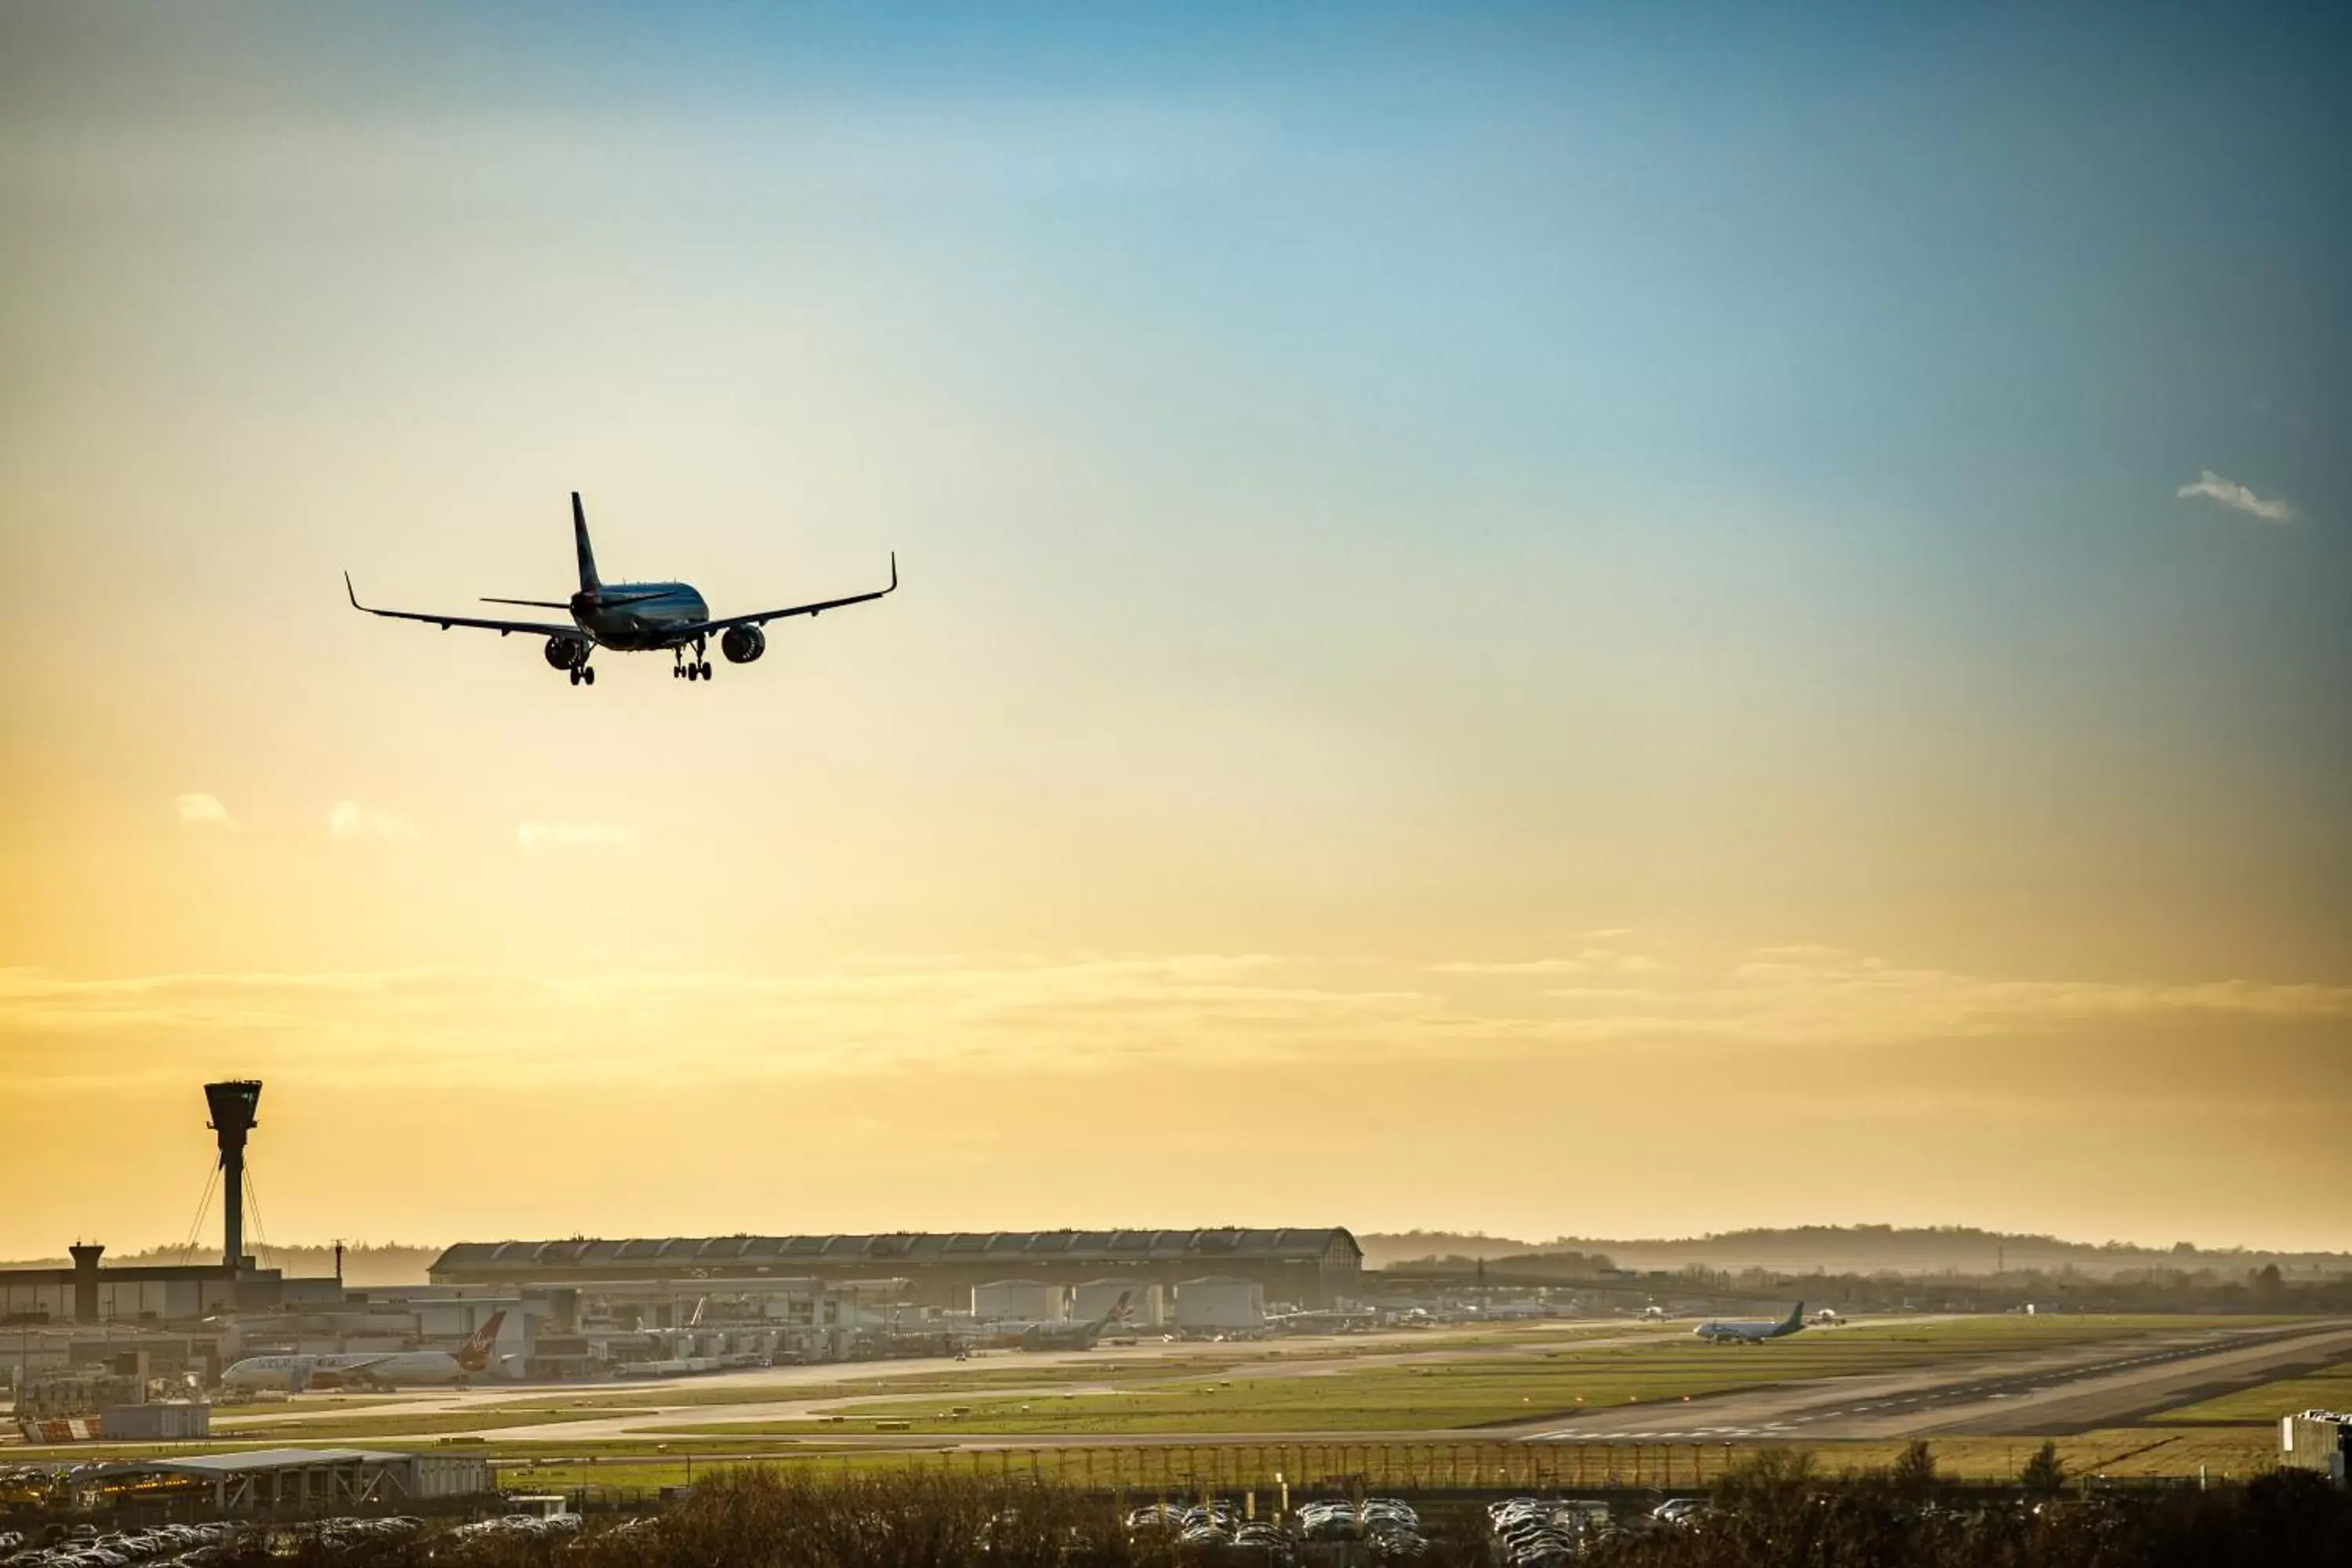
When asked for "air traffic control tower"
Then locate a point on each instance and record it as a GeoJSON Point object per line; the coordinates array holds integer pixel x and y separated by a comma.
{"type": "Point", "coordinates": [233, 1105]}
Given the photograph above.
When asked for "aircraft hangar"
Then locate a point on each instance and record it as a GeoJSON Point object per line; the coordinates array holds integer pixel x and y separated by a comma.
{"type": "Point", "coordinates": [1311, 1268]}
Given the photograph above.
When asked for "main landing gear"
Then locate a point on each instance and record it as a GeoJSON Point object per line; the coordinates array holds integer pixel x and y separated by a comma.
{"type": "Point", "coordinates": [583, 675]}
{"type": "Point", "coordinates": [695, 668]}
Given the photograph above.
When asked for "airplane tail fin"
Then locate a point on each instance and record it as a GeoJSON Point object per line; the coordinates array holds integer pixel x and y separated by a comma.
{"type": "Point", "coordinates": [1796, 1316]}
{"type": "Point", "coordinates": [475, 1354]}
{"type": "Point", "coordinates": [588, 582]}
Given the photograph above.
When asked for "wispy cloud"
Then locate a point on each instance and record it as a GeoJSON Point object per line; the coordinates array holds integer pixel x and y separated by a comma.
{"type": "Point", "coordinates": [535, 836]}
{"type": "Point", "coordinates": [2238, 498]}
{"type": "Point", "coordinates": [1588, 960]}
{"type": "Point", "coordinates": [1071, 1013]}
{"type": "Point", "coordinates": [205, 811]}
{"type": "Point", "coordinates": [350, 820]}
{"type": "Point", "coordinates": [1511, 966]}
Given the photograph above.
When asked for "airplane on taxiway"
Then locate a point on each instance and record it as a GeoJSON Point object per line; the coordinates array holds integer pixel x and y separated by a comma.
{"type": "Point", "coordinates": [632, 618]}
{"type": "Point", "coordinates": [1722, 1331]}
{"type": "Point", "coordinates": [368, 1368]}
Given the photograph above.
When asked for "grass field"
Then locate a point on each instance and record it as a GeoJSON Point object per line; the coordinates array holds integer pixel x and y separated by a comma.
{"type": "Point", "coordinates": [342, 1428]}
{"type": "Point", "coordinates": [2330, 1388]}
{"type": "Point", "coordinates": [1019, 1406]}
{"type": "Point", "coordinates": [1013, 1369]}
{"type": "Point", "coordinates": [1465, 1394]}
{"type": "Point", "coordinates": [340, 1402]}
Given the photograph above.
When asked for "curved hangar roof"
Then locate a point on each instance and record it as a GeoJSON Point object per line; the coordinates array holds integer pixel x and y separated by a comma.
{"type": "Point", "coordinates": [583, 1257]}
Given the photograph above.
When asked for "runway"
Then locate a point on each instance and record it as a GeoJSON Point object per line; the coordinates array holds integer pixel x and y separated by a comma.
{"type": "Point", "coordinates": [2047, 1393]}
{"type": "Point", "coordinates": [802, 1393]}
{"type": "Point", "coordinates": [2053, 1391]}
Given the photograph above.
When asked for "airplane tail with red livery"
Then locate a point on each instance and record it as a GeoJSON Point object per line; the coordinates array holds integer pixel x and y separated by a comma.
{"type": "Point", "coordinates": [474, 1355]}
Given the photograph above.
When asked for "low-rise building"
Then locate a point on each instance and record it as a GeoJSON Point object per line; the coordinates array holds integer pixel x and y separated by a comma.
{"type": "Point", "coordinates": [2317, 1440]}
{"type": "Point", "coordinates": [157, 1421]}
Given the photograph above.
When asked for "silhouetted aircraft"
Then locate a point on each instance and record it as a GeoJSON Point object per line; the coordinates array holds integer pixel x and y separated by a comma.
{"type": "Point", "coordinates": [632, 618]}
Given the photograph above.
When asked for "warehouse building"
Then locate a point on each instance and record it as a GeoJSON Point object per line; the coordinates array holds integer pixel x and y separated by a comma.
{"type": "Point", "coordinates": [1305, 1268]}
{"type": "Point", "coordinates": [1220, 1305]}
{"type": "Point", "coordinates": [1019, 1300]}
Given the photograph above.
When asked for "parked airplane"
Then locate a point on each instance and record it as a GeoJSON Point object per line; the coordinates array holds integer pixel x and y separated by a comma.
{"type": "Point", "coordinates": [1717, 1331]}
{"type": "Point", "coordinates": [632, 618]}
{"type": "Point", "coordinates": [1053, 1335]}
{"type": "Point", "coordinates": [383, 1369]}
{"type": "Point", "coordinates": [1073, 1336]}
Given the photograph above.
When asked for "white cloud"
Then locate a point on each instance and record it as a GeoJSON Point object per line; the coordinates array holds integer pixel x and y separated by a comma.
{"type": "Point", "coordinates": [1073, 1013]}
{"type": "Point", "coordinates": [1589, 961]}
{"type": "Point", "coordinates": [350, 820]}
{"type": "Point", "coordinates": [207, 811]}
{"type": "Point", "coordinates": [2238, 498]}
{"type": "Point", "coordinates": [537, 836]}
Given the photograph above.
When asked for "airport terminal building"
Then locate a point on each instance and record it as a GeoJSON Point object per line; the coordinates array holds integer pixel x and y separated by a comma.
{"type": "Point", "coordinates": [1307, 1268]}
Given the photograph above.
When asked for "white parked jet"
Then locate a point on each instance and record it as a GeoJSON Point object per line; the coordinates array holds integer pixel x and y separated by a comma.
{"type": "Point", "coordinates": [382, 1369]}
{"type": "Point", "coordinates": [1719, 1331]}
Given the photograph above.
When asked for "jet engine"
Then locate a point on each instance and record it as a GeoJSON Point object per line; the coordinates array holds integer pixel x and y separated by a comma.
{"type": "Point", "coordinates": [741, 645]}
{"type": "Point", "coordinates": [562, 652]}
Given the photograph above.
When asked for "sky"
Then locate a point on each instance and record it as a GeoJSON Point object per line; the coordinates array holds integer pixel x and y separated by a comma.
{"type": "Point", "coordinates": [1596, 620]}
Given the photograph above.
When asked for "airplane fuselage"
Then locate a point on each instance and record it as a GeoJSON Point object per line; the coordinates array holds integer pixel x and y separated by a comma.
{"type": "Point", "coordinates": [633, 618]}
{"type": "Point", "coordinates": [1743, 1333]}
{"type": "Point", "coordinates": [298, 1372]}
{"type": "Point", "coordinates": [1720, 1331]}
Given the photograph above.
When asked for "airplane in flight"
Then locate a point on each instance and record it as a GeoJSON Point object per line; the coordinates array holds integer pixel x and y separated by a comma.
{"type": "Point", "coordinates": [632, 618]}
{"type": "Point", "coordinates": [1722, 1331]}
{"type": "Point", "coordinates": [379, 1369]}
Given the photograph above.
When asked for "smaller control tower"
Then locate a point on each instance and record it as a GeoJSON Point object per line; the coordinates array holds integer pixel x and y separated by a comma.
{"type": "Point", "coordinates": [233, 1105]}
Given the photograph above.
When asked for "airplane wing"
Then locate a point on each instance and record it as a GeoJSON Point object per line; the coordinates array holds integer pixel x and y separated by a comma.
{"type": "Point", "coordinates": [760, 618]}
{"type": "Point", "coordinates": [540, 628]}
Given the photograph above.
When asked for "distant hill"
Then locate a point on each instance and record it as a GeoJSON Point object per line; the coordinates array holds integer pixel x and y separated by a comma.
{"type": "Point", "coordinates": [364, 1265]}
{"type": "Point", "coordinates": [1383, 1248]}
{"type": "Point", "coordinates": [1860, 1250]}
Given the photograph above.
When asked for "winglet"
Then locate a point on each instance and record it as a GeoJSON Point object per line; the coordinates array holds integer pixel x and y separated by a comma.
{"type": "Point", "coordinates": [894, 574]}
{"type": "Point", "coordinates": [354, 593]}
